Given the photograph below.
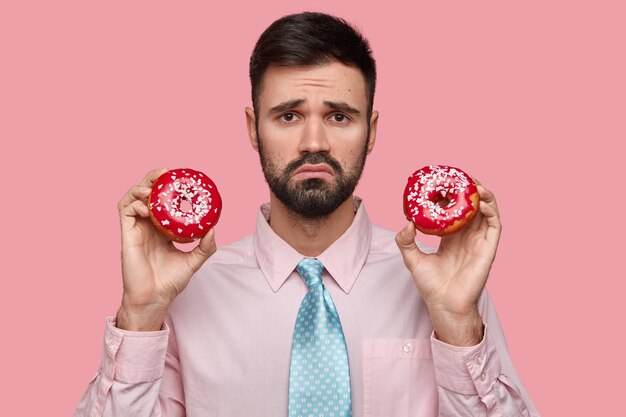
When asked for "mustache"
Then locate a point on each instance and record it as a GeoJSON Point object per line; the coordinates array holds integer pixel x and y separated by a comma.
{"type": "Point", "coordinates": [313, 159]}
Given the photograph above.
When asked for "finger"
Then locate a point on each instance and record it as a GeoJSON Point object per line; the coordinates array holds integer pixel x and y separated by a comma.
{"type": "Point", "coordinates": [491, 225]}
{"type": "Point", "coordinates": [203, 251]}
{"type": "Point", "coordinates": [135, 209]}
{"type": "Point", "coordinates": [152, 176]}
{"type": "Point", "coordinates": [137, 192]}
{"type": "Point", "coordinates": [488, 206]}
{"type": "Point", "coordinates": [487, 198]}
{"type": "Point", "coordinates": [405, 240]}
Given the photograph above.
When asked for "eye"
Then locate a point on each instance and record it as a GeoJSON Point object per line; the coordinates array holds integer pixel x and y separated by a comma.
{"type": "Point", "coordinates": [287, 117]}
{"type": "Point", "coordinates": [339, 118]}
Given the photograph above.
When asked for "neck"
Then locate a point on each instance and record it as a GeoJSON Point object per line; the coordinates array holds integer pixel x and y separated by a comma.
{"type": "Point", "coordinates": [310, 237]}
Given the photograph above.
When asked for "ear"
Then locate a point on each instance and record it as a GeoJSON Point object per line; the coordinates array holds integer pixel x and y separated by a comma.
{"type": "Point", "coordinates": [252, 133]}
{"type": "Point", "coordinates": [373, 126]}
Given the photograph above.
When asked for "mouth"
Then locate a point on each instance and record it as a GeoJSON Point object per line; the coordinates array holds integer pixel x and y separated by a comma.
{"type": "Point", "coordinates": [313, 171]}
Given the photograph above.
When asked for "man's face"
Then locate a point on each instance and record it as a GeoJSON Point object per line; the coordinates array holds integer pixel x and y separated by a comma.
{"type": "Point", "coordinates": [311, 130]}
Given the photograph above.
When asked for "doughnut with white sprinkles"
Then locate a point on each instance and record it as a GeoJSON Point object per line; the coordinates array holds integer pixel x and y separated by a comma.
{"type": "Point", "coordinates": [181, 202]}
{"type": "Point", "coordinates": [440, 199]}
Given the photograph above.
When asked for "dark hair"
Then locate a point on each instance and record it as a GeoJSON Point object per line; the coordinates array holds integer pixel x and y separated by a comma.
{"type": "Point", "coordinates": [309, 39]}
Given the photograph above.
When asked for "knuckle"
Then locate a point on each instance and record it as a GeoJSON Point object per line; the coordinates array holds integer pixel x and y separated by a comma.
{"type": "Point", "coordinates": [138, 205]}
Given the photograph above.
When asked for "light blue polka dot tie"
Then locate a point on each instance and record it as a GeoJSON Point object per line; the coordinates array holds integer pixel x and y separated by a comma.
{"type": "Point", "coordinates": [319, 379]}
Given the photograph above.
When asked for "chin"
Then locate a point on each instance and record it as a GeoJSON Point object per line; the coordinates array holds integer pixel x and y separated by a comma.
{"type": "Point", "coordinates": [313, 184]}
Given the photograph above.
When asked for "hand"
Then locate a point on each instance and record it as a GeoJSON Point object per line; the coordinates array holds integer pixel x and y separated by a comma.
{"type": "Point", "coordinates": [452, 279]}
{"type": "Point", "coordinates": [154, 271]}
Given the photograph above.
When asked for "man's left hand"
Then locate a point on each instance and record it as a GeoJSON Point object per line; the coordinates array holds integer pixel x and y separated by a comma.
{"type": "Point", "coordinates": [452, 279]}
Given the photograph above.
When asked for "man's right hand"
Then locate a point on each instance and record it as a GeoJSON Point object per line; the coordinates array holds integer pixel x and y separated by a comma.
{"type": "Point", "coordinates": [154, 270]}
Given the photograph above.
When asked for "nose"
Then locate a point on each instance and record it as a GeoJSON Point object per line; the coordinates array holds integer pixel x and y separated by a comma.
{"type": "Point", "coordinates": [314, 137]}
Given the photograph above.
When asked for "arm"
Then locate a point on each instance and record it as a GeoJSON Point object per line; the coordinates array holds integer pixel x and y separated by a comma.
{"type": "Point", "coordinates": [480, 380]}
{"type": "Point", "coordinates": [139, 373]}
{"type": "Point", "coordinates": [466, 329]}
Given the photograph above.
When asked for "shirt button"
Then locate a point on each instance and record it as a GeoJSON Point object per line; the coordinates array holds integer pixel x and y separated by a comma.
{"type": "Point", "coordinates": [483, 376]}
{"type": "Point", "coordinates": [407, 348]}
{"type": "Point", "coordinates": [479, 359]}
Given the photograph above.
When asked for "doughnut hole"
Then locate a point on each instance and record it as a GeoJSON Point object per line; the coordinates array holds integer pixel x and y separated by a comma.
{"type": "Point", "coordinates": [442, 201]}
{"type": "Point", "coordinates": [186, 206]}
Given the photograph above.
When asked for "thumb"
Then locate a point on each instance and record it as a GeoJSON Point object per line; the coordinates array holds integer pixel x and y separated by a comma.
{"type": "Point", "coordinates": [203, 251]}
{"type": "Point", "coordinates": [406, 243]}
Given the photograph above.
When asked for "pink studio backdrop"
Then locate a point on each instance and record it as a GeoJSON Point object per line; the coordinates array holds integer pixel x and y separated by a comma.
{"type": "Point", "coordinates": [526, 96]}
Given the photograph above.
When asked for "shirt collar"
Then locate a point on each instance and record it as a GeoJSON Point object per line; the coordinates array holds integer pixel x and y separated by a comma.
{"type": "Point", "coordinates": [343, 259]}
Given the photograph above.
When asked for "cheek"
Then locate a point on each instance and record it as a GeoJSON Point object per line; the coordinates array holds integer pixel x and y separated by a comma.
{"type": "Point", "coordinates": [276, 145]}
{"type": "Point", "coordinates": [348, 153]}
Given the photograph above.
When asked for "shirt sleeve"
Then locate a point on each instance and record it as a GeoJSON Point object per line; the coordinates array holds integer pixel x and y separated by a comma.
{"type": "Point", "coordinates": [139, 375]}
{"type": "Point", "coordinates": [480, 380]}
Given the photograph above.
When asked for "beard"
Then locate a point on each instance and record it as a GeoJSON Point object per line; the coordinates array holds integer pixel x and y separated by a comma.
{"type": "Point", "coordinates": [312, 198]}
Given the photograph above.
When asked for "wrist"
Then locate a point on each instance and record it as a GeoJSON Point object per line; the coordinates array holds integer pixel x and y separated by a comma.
{"type": "Point", "coordinates": [457, 329]}
{"type": "Point", "coordinates": [140, 318]}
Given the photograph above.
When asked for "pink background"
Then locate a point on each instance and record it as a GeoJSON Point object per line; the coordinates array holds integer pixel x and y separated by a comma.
{"type": "Point", "coordinates": [529, 97]}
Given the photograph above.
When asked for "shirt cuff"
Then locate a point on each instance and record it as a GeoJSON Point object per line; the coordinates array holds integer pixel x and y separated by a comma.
{"type": "Point", "coordinates": [466, 370]}
{"type": "Point", "coordinates": [133, 357]}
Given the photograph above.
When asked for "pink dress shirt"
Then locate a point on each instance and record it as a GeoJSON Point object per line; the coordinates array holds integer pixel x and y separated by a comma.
{"type": "Point", "coordinates": [226, 345]}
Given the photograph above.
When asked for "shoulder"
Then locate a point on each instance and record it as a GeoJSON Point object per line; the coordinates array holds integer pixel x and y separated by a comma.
{"type": "Point", "coordinates": [227, 260]}
{"type": "Point", "coordinates": [237, 252]}
{"type": "Point", "coordinates": [224, 266]}
{"type": "Point", "coordinates": [384, 242]}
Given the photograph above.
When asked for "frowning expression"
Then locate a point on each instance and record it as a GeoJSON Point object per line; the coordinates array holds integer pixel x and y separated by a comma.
{"type": "Point", "coordinates": [313, 134]}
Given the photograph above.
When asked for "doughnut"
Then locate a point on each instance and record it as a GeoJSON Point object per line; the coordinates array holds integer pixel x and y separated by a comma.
{"type": "Point", "coordinates": [440, 199]}
{"type": "Point", "coordinates": [184, 204]}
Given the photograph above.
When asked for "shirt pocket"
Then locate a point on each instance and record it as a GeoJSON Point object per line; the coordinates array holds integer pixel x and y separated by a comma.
{"type": "Point", "coordinates": [398, 378]}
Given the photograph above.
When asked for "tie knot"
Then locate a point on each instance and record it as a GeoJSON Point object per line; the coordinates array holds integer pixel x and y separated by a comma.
{"type": "Point", "coordinates": [311, 271]}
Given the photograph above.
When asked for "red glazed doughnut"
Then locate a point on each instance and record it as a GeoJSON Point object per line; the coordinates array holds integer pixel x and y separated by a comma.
{"type": "Point", "coordinates": [184, 204]}
{"type": "Point", "coordinates": [440, 199]}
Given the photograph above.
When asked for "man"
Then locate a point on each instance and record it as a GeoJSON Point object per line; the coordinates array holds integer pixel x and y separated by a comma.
{"type": "Point", "coordinates": [317, 313]}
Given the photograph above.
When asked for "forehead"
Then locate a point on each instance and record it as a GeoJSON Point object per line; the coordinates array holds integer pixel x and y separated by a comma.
{"type": "Point", "coordinates": [329, 82]}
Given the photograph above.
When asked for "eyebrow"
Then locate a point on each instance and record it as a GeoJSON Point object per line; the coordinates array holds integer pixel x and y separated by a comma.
{"type": "Point", "coordinates": [342, 106]}
{"type": "Point", "coordinates": [286, 105]}
{"type": "Point", "coordinates": [335, 105]}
